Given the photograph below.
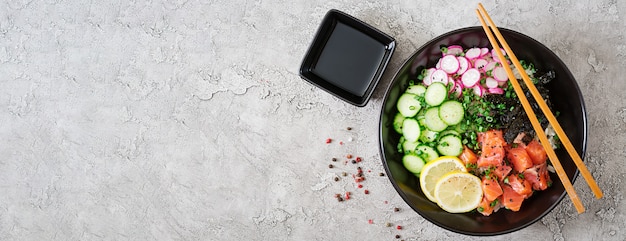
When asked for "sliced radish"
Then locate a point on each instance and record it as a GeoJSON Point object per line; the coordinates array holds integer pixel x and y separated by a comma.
{"type": "Point", "coordinates": [463, 65]}
{"type": "Point", "coordinates": [452, 84]}
{"type": "Point", "coordinates": [493, 52]}
{"type": "Point", "coordinates": [496, 90]}
{"type": "Point", "coordinates": [480, 63]}
{"type": "Point", "coordinates": [499, 74]}
{"type": "Point", "coordinates": [484, 51]}
{"type": "Point", "coordinates": [470, 77]}
{"type": "Point", "coordinates": [428, 79]}
{"type": "Point", "coordinates": [458, 90]}
{"type": "Point", "coordinates": [454, 50]}
{"type": "Point", "coordinates": [438, 65]}
{"type": "Point", "coordinates": [478, 90]}
{"type": "Point", "coordinates": [490, 66]}
{"type": "Point", "coordinates": [440, 76]}
{"type": "Point", "coordinates": [491, 82]}
{"type": "Point", "coordinates": [450, 64]}
{"type": "Point", "coordinates": [473, 53]}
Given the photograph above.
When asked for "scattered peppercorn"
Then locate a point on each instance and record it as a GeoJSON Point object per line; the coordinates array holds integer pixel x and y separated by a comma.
{"type": "Point", "coordinates": [399, 227]}
{"type": "Point", "coordinates": [336, 179]}
{"type": "Point", "coordinates": [358, 159]}
{"type": "Point", "coordinates": [397, 235]}
{"type": "Point", "coordinates": [396, 209]}
{"type": "Point", "coordinates": [330, 166]}
{"type": "Point", "coordinates": [387, 224]}
{"type": "Point", "coordinates": [334, 159]}
{"type": "Point", "coordinates": [381, 174]}
{"type": "Point", "coordinates": [344, 174]}
{"type": "Point", "coordinates": [337, 195]}
{"type": "Point", "coordinates": [367, 191]}
{"type": "Point", "coordinates": [360, 174]}
{"type": "Point", "coordinates": [349, 128]}
{"type": "Point", "coordinates": [353, 162]}
{"type": "Point", "coordinates": [329, 140]}
{"type": "Point", "coordinates": [340, 199]}
{"type": "Point", "coordinates": [349, 156]}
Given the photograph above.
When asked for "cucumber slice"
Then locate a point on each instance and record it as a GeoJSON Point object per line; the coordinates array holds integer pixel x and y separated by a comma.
{"type": "Point", "coordinates": [426, 152]}
{"type": "Point", "coordinates": [408, 105]}
{"type": "Point", "coordinates": [432, 120]}
{"type": "Point", "coordinates": [410, 129]}
{"type": "Point", "coordinates": [418, 90]}
{"type": "Point", "coordinates": [397, 122]}
{"type": "Point", "coordinates": [450, 145]}
{"type": "Point", "coordinates": [451, 112]}
{"type": "Point", "coordinates": [435, 94]}
{"type": "Point", "coordinates": [428, 136]}
{"type": "Point", "coordinates": [409, 147]}
{"type": "Point", "coordinates": [449, 132]}
{"type": "Point", "coordinates": [413, 163]}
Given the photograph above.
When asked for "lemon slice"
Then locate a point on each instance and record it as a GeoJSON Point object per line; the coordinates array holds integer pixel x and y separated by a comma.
{"type": "Point", "coordinates": [458, 192]}
{"type": "Point", "coordinates": [434, 170]}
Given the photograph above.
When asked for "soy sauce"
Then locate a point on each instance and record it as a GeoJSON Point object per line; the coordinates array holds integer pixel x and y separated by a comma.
{"type": "Point", "coordinates": [350, 59]}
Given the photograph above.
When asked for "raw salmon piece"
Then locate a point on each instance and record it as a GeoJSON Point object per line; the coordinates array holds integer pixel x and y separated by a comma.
{"type": "Point", "coordinates": [491, 188]}
{"type": "Point", "coordinates": [468, 156]}
{"type": "Point", "coordinates": [485, 207]}
{"type": "Point", "coordinates": [536, 152]}
{"type": "Point", "coordinates": [520, 185]}
{"type": "Point", "coordinates": [511, 199]}
{"type": "Point", "coordinates": [502, 171]}
{"type": "Point", "coordinates": [538, 176]}
{"type": "Point", "coordinates": [492, 149]}
{"type": "Point", "coordinates": [518, 157]}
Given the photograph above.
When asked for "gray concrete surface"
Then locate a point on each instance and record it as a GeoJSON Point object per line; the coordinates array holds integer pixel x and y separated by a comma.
{"type": "Point", "coordinates": [187, 120]}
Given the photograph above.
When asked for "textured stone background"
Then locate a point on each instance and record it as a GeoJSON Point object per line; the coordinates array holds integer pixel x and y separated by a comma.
{"type": "Point", "coordinates": [187, 120]}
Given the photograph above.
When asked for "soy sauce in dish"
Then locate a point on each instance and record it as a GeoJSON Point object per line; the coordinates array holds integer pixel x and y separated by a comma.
{"type": "Point", "coordinates": [350, 59]}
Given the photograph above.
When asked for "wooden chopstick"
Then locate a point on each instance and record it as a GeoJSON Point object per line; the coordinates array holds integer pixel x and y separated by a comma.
{"type": "Point", "coordinates": [546, 110]}
{"type": "Point", "coordinates": [527, 108]}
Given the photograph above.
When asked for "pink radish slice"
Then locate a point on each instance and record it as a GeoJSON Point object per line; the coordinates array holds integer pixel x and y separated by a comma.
{"type": "Point", "coordinates": [473, 53]}
{"type": "Point", "coordinates": [458, 90]}
{"type": "Point", "coordinates": [491, 82]}
{"type": "Point", "coordinates": [493, 52]}
{"type": "Point", "coordinates": [484, 51]}
{"type": "Point", "coordinates": [480, 63]}
{"type": "Point", "coordinates": [463, 65]}
{"type": "Point", "coordinates": [440, 76]}
{"type": "Point", "coordinates": [452, 84]}
{"type": "Point", "coordinates": [470, 77]}
{"type": "Point", "coordinates": [428, 79]}
{"type": "Point", "coordinates": [496, 90]}
{"type": "Point", "coordinates": [454, 50]}
{"type": "Point", "coordinates": [450, 64]}
{"type": "Point", "coordinates": [499, 74]}
{"type": "Point", "coordinates": [438, 65]}
{"type": "Point", "coordinates": [490, 66]}
{"type": "Point", "coordinates": [478, 90]}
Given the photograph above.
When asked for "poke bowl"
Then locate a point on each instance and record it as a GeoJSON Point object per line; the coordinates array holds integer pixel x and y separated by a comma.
{"type": "Point", "coordinates": [565, 99]}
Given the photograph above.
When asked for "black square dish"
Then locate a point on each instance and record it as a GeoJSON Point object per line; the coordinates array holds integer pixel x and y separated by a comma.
{"type": "Point", "coordinates": [347, 57]}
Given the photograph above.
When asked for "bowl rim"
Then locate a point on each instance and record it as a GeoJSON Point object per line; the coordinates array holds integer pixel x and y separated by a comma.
{"type": "Point", "coordinates": [396, 78]}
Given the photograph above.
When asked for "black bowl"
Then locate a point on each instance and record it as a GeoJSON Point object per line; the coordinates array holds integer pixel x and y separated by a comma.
{"type": "Point", "coordinates": [565, 96]}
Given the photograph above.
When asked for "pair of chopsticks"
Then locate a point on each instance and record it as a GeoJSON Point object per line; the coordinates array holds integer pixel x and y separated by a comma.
{"type": "Point", "coordinates": [533, 118]}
